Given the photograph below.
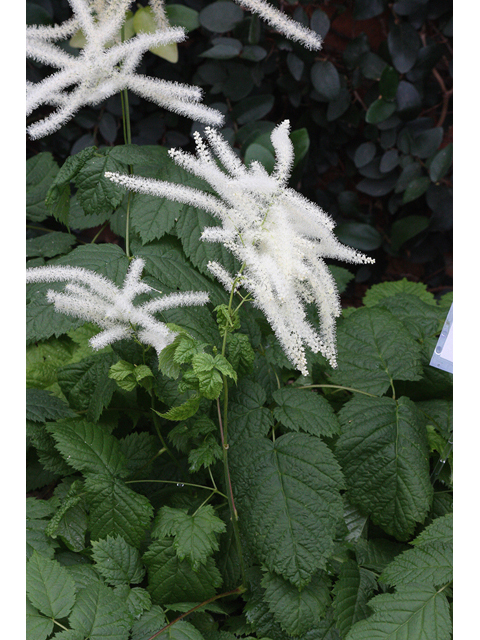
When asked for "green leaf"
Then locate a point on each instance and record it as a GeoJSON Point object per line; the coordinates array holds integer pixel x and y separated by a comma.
{"type": "Point", "coordinates": [383, 451]}
{"type": "Point", "coordinates": [41, 169]}
{"type": "Point", "coordinates": [415, 612]}
{"type": "Point", "coordinates": [307, 411]}
{"type": "Point", "coordinates": [195, 537]}
{"type": "Point", "coordinates": [364, 154]}
{"type": "Point", "coordinates": [248, 417]}
{"type": "Point", "coordinates": [137, 599]}
{"type": "Point", "coordinates": [173, 580]}
{"type": "Point", "coordinates": [95, 192]}
{"type": "Point", "coordinates": [116, 510]}
{"type": "Point", "coordinates": [441, 163]}
{"type": "Point", "coordinates": [288, 491]}
{"type": "Point", "coordinates": [220, 17]}
{"type": "Point", "coordinates": [388, 83]}
{"type": "Point", "coordinates": [240, 353]}
{"type": "Point", "coordinates": [427, 142]}
{"type": "Point", "coordinates": [374, 349]}
{"type": "Point", "coordinates": [36, 537]}
{"type": "Point", "coordinates": [38, 627]}
{"type": "Point", "coordinates": [180, 16]}
{"type": "Point", "coordinates": [372, 65]}
{"type": "Point", "coordinates": [301, 144]}
{"type": "Point", "coordinates": [430, 562]}
{"type": "Point", "coordinates": [252, 108]}
{"type": "Point", "coordinates": [403, 44]}
{"type": "Point", "coordinates": [50, 244]}
{"type": "Point", "coordinates": [379, 111]}
{"type": "Point", "coordinates": [421, 320]}
{"type": "Point", "coordinates": [86, 384]}
{"type": "Point", "coordinates": [297, 611]}
{"type": "Point", "coordinates": [183, 411]}
{"type": "Point", "coordinates": [99, 614]}
{"type": "Point", "coordinates": [377, 553]}
{"type": "Point", "coordinates": [87, 447]}
{"type": "Point", "coordinates": [123, 374]}
{"type": "Point", "coordinates": [353, 589]}
{"type": "Point", "coordinates": [325, 79]}
{"type": "Point", "coordinates": [139, 448]}
{"type": "Point", "coordinates": [410, 226]}
{"type": "Point", "coordinates": [70, 520]}
{"type": "Point", "coordinates": [257, 152]}
{"type": "Point", "coordinates": [149, 623]}
{"type": "Point", "coordinates": [359, 235]}
{"type": "Point", "coordinates": [117, 561]}
{"type": "Point", "coordinates": [42, 406]}
{"type": "Point", "coordinates": [49, 587]}
{"type": "Point", "coordinates": [205, 454]}
{"type": "Point", "coordinates": [58, 195]}
{"type": "Point", "coordinates": [43, 360]}
{"type": "Point", "coordinates": [385, 289]}
{"type": "Point", "coordinates": [415, 189]}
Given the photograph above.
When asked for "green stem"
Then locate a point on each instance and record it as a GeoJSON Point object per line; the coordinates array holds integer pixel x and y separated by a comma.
{"type": "Point", "coordinates": [336, 386]}
{"type": "Point", "coordinates": [127, 137]}
{"type": "Point", "coordinates": [60, 625]}
{"type": "Point", "coordinates": [238, 590]}
{"type": "Point", "coordinates": [99, 232]}
{"type": "Point", "coordinates": [183, 484]}
{"type": "Point", "coordinates": [159, 434]}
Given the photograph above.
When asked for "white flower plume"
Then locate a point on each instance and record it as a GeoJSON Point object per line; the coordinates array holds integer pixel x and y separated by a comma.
{"type": "Point", "coordinates": [97, 299]}
{"type": "Point", "coordinates": [283, 23]}
{"type": "Point", "coordinates": [280, 237]}
{"type": "Point", "coordinates": [101, 70]}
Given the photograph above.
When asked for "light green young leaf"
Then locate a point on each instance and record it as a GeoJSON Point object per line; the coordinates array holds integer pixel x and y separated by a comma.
{"type": "Point", "coordinates": [297, 611]}
{"type": "Point", "coordinates": [116, 510]}
{"type": "Point", "coordinates": [374, 348]}
{"type": "Point", "coordinates": [353, 589]}
{"type": "Point", "coordinates": [87, 447]}
{"type": "Point", "coordinates": [195, 537]}
{"type": "Point", "coordinates": [117, 561]}
{"type": "Point", "coordinates": [49, 587]}
{"type": "Point", "coordinates": [307, 411]}
{"type": "Point", "coordinates": [383, 451]}
{"type": "Point", "coordinates": [289, 493]}
{"type": "Point", "coordinates": [173, 580]}
{"type": "Point", "coordinates": [100, 614]}
{"type": "Point", "coordinates": [415, 612]}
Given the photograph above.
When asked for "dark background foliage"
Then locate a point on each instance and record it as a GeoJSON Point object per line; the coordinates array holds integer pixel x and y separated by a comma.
{"type": "Point", "coordinates": [371, 115]}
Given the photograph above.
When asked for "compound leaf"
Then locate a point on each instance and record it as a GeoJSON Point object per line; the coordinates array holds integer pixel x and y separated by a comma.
{"type": "Point", "coordinates": [302, 410]}
{"type": "Point", "coordinates": [289, 493]}
{"type": "Point", "coordinates": [99, 614]}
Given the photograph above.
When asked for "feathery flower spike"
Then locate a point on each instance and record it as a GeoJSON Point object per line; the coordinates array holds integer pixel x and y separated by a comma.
{"type": "Point", "coordinates": [282, 23]}
{"type": "Point", "coordinates": [281, 238]}
{"type": "Point", "coordinates": [101, 70]}
{"type": "Point", "coordinates": [97, 299]}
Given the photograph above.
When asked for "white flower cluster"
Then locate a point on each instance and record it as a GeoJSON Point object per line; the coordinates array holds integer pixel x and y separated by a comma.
{"type": "Point", "coordinates": [280, 237]}
{"type": "Point", "coordinates": [97, 299]}
{"type": "Point", "coordinates": [101, 70]}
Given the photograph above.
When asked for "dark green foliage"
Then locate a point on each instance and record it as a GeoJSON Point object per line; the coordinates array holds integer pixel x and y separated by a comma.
{"type": "Point", "coordinates": [345, 534]}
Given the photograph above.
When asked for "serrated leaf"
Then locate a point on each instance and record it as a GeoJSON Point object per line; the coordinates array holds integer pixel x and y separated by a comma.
{"type": "Point", "coordinates": [149, 623]}
{"type": "Point", "coordinates": [99, 614]}
{"type": "Point", "coordinates": [117, 561]}
{"type": "Point", "coordinates": [116, 510]}
{"type": "Point", "coordinates": [47, 453]}
{"type": "Point", "coordinates": [137, 599]}
{"type": "Point", "coordinates": [38, 627]}
{"type": "Point", "coordinates": [374, 349]}
{"type": "Point", "coordinates": [240, 353]}
{"type": "Point", "coordinates": [288, 491]}
{"type": "Point", "coordinates": [248, 418]}
{"type": "Point", "coordinates": [95, 192]}
{"type": "Point", "coordinates": [70, 521]}
{"type": "Point", "coordinates": [386, 289]}
{"type": "Point", "coordinates": [183, 411]}
{"type": "Point", "coordinates": [208, 452]}
{"type": "Point", "coordinates": [440, 413]}
{"type": "Point", "coordinates": [302, 410]}
{"type": "Point", "coordinates": [86, 384]}
{"type": "Point", "coordinates": [138, 448]}
{"type": "Point", "coordinates": [415, 612]}
{"type": "Point", "coordinates": [36, 538]}
{"type": "Point", "coordinates": [430, 562]}
{"type": "Point", "coordinates": [49, 587]}
{"type": "Point", "coordinates": [173, 580]}
{"type": "Point", "coordinates": [353, 589]}
{"type": "Point", "coordinates": [377, 553]}
{"type": "Point", "coordinates": [42, 406]}
{"type": "Point", "coordinates": [50, 244]}
{"type": "Point", "coordinates": [422, 320]}
{"type": "Point", "coordinates": [195, 537]}
{"type": "Point", "coordinates": [383, 451]}
{"type": "Point", "coordinates": [297, 611]}
{"type": "Point", "coordinates": [87, 447]}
